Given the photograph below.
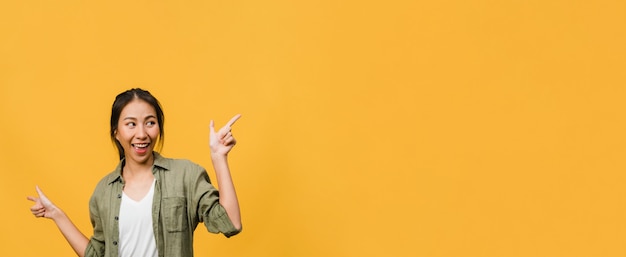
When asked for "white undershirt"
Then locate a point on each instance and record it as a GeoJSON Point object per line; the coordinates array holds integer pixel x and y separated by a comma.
{"type": "Point", "coordinates": [135, 223]}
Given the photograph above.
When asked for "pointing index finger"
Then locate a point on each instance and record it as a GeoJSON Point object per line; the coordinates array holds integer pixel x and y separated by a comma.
{"type": "Point", "coordinates": [232, 121]}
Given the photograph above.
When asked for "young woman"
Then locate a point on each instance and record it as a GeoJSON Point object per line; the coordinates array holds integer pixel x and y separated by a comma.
{"type": "Point", "coordinates": [150, 205]}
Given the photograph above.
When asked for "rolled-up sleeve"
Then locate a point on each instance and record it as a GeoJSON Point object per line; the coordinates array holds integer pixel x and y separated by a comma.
{"type": "Point", "coordinates": [94, 248]}
{"type": "Point", "coordinates": [209, 210]}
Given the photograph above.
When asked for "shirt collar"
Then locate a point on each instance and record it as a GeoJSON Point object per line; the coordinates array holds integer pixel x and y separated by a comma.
{"type": "Point", "coordinates": [159, 161]}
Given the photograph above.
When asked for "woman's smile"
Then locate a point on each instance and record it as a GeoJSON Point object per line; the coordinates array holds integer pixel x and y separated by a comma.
{"type": "Point", "coordinates": [141, 148]}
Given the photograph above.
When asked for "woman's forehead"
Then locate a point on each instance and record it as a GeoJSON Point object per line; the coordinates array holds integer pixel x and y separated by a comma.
{"type": "Point", "coordinates": [138, 108]}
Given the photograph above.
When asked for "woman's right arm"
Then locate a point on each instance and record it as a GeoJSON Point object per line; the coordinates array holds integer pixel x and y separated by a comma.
{"type": "Point", "coordinates": [45, 208]}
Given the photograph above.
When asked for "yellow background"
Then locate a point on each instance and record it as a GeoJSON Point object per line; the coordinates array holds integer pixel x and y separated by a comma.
{"type": "Point", "coordinates": [369, 128]}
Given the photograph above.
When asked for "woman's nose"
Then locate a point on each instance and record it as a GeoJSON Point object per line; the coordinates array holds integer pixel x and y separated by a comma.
{"type": "Point", "coordinates": [141, 132]}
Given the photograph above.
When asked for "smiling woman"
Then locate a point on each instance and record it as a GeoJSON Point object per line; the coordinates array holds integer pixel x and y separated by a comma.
{"type": "Point", "coordinates": [150, 106]}
{"type": "Point", "coordinates": [150, 205]}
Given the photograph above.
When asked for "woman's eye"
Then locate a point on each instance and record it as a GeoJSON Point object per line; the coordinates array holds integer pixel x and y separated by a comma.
{"type": "Point", "coordinates": [131, 124]}
{"type": "Point", "coordinates": [151, 123]}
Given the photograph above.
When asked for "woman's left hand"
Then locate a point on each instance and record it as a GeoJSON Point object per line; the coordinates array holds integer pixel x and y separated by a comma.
{"type": "Point", "coordinates": [222, 141]}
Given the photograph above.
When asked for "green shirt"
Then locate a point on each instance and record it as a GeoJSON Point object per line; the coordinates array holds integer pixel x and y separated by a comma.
{"type": "Point", "coordinates": [183, 197]}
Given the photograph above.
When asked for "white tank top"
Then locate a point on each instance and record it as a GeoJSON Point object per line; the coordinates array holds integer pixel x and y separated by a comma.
{"type": "Point", "coordinates": [135, 221]}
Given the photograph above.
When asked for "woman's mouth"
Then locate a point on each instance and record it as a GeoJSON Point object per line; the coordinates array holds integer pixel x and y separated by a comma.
{"type": "Point", "coordinates": [141, 148]}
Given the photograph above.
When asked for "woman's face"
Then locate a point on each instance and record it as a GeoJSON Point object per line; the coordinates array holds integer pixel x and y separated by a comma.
{"type": "Point", "coordinates": [137, 131]}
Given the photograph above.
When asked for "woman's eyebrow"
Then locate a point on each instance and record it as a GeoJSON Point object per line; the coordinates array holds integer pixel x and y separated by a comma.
{"type": "Point", "coordinates": [133, 118]}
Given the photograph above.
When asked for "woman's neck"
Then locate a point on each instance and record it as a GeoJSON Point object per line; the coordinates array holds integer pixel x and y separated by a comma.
{"type": "Point", "coordinates": [133, 168]}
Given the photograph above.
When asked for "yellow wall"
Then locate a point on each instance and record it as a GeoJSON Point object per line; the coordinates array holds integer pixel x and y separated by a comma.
{"type": "Point", "coordinates": [369, 128]}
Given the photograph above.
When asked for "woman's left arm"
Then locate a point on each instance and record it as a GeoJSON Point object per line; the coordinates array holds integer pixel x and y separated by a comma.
{"type": "Point", "coordinates": [221, 142]}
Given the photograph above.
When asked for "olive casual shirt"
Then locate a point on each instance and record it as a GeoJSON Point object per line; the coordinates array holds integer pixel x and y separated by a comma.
{"type": "Point", "coordinates": [183, 197]}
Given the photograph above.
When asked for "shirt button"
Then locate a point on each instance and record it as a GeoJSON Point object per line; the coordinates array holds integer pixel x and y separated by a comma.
{"type": "Point", "coordinates": [119, 195]}
{"type": "Point", "coordinates": [117, 218]}
{"type": "Point", "coordinates": [114, 242]}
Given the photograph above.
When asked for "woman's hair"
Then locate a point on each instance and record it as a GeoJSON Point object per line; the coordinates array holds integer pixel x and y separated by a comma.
{"type": "Point", "coordinates": [122, 100]}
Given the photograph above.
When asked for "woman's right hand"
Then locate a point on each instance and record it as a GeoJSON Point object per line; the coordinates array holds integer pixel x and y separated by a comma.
{"type": "Point", "coordinates": [43, 206]}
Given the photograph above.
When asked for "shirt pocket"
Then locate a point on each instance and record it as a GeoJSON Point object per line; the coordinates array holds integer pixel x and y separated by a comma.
{"type": "Point", "coordinates": [174, 211]}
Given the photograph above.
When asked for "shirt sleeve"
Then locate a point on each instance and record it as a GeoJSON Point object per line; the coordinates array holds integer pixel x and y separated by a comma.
{"type": "Point", "coordinates": [209, 210]}
{"type": "Point", "coordinates": [96, 246]}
